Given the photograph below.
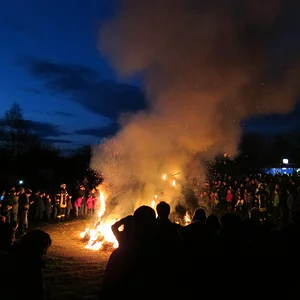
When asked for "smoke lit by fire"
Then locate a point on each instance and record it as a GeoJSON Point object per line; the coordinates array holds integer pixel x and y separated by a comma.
{"type": "Point", "coordinates": [206, 66]}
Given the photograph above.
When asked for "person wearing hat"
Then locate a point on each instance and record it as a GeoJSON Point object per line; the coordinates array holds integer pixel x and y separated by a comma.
{"type": "Point", "coordinates": [61, 199]}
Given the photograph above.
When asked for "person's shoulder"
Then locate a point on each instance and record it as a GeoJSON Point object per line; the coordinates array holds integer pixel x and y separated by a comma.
{"type": "Point", "coordinates": [176, 225]}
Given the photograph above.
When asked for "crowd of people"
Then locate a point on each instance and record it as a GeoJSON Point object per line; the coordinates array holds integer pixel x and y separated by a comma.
{"type": "Point", "coordinates": [245, 241]}
{"type": "Point", "coordinates": [223, 256]}
{"type": "Point", "coordinates": [21, 206]}
{"type": "Point", "coordinates": [271, 194]}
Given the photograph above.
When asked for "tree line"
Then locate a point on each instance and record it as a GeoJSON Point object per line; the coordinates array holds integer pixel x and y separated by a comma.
{"type": "Point", "coordinates": [24, 155]}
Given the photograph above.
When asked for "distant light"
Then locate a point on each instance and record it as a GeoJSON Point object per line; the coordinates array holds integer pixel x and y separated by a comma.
{"type": "Point", "coordinates": [21, 181]}
{"type": "Point", "coordinates": [285, 161]}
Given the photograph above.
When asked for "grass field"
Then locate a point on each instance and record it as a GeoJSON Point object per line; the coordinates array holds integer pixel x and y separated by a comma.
{"type": "Point", "coordinates": [72, 272]}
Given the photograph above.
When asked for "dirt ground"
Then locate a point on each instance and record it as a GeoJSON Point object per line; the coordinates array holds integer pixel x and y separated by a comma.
{"type": "Point", "coordinates": [73, 272]}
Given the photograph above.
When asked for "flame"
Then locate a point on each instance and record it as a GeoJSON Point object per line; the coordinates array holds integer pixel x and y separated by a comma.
{"type": "Point", "coordinates": [102, 205]}
{"type": "Point", "coordinates": [153, 203]}
{"type": "Point", "coordinates": [187, 219]}
{"type": "Point", "coordinates": [102, 233]}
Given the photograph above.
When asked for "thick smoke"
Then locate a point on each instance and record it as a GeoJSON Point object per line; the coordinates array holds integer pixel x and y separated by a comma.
{"type": "Point", "coordinates": [207, 65]}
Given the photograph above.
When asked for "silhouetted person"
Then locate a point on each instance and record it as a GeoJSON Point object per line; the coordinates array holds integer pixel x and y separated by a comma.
{"type": "Point", "coordinates": [167, 231]}
{"type": "Point", "coordinates": [6, 235]}
{"type": "Point", "coordinates": [212, 225]}
{"type": "Point", "coordinates": [293, 233]}
{"type": "Point", "coordinates": [253, 231]}
{"type": "Point", "coordinates": [232, 242]}
{"type": "Point", "coordinates": [132, 272]}
{"type": "Point", "coordinates": [24, 203]}
{"type": "Point", "coordinates": [125, 236]}
{"type": "Point", "coordinates": [145, 225]}
{"type": "Point", "coordinates": [193, 235]}
{"type": "Point", "coordinates": [212, 239]}
{"type": "Point", "coordinates": [24, 266]}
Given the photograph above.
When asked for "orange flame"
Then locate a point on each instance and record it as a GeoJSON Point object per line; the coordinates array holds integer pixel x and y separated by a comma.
{"type": "Point", "coordinates": [187, 219]}
{"type": "Point", "coordinates": [102, 232]}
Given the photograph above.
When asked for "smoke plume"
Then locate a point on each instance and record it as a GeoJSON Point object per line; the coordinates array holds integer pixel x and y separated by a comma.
{"type": "Point", "coordinates": [207, 65]}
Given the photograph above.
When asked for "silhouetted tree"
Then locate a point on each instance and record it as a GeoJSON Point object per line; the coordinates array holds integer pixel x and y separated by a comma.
{"type": "Point", "coordinates": [14, 134]}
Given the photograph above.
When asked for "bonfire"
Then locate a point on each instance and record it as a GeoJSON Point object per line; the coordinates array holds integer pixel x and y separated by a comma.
{"type": "Point", "coordinates": [101, 236]}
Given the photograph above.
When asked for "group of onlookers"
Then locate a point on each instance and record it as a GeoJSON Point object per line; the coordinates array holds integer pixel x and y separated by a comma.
{"type": "Point", "coordinates": [217, 257]}
{"type": "Point", "coordinates": [21, 207]}
{"type": "Point", "coordinates": [272, 194]}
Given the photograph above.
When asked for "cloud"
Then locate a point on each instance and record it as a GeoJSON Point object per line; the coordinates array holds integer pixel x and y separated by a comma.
{"type": "Point", "coordinates": [85, 87]}
{"type": "Point", "coordinates": [101, 132]}
{"type": "Point", "coordinates": [47, 68]}
{"type": "Point", "coordinates": [61, 113]}
{"type": "Point", "coordinates": [44, 129]}
{"type": "Point", "coordinates": [56, 141]}
{"type": "Point", "coordinates": [32, 90]}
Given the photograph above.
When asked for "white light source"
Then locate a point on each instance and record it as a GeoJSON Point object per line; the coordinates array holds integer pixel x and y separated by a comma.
{"type": "Point", "coordinates": [21, 181]}
{"type": "Point", "coordinates": [285, 161]}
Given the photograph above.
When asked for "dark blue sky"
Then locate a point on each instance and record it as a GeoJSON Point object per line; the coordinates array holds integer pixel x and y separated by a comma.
{"type": "Point", "coordinates": [51, 66]}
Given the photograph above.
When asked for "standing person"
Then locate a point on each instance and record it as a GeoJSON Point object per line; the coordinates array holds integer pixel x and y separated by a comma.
{"type": "Point", "coordinates": [6, 206]}
{"type": "Point", "coordinates": [40, 209]}
{"type": "Point", "coordinates": [69, 206]}
{"type": "Point", "coordinates": [33, 205]}
{"type": "Point", "coordinates": [239, 205]}
{"type": "Point", "coordinates": [12, 206]}
{"type": "Point", "coordinates": [77, 205]}
{"type": "Point", "coordinates": [276, 202]}
{"type": "Point", "coordinates": [262, 197]}
{"type": "Point", "coordinates": [23, 209]}
{"type": "Point", "coordinates": [90, 205]}
{"type": "Point", "coordinates": [83, 207]}
{"type": "Point", "coordinates": [62, 198]}
{"type": "Point", "coordinates": [55, 206]}
{"type": "Point", "coordinates": [229, 200]}
{"type": "Point", "coordinates": [48, 207]}
{"type": "Point", "coordinates": [79, 202]}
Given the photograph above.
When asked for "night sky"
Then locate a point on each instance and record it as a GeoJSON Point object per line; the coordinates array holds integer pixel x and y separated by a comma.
{"type": "Point", "coordinates": [51, 66]}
